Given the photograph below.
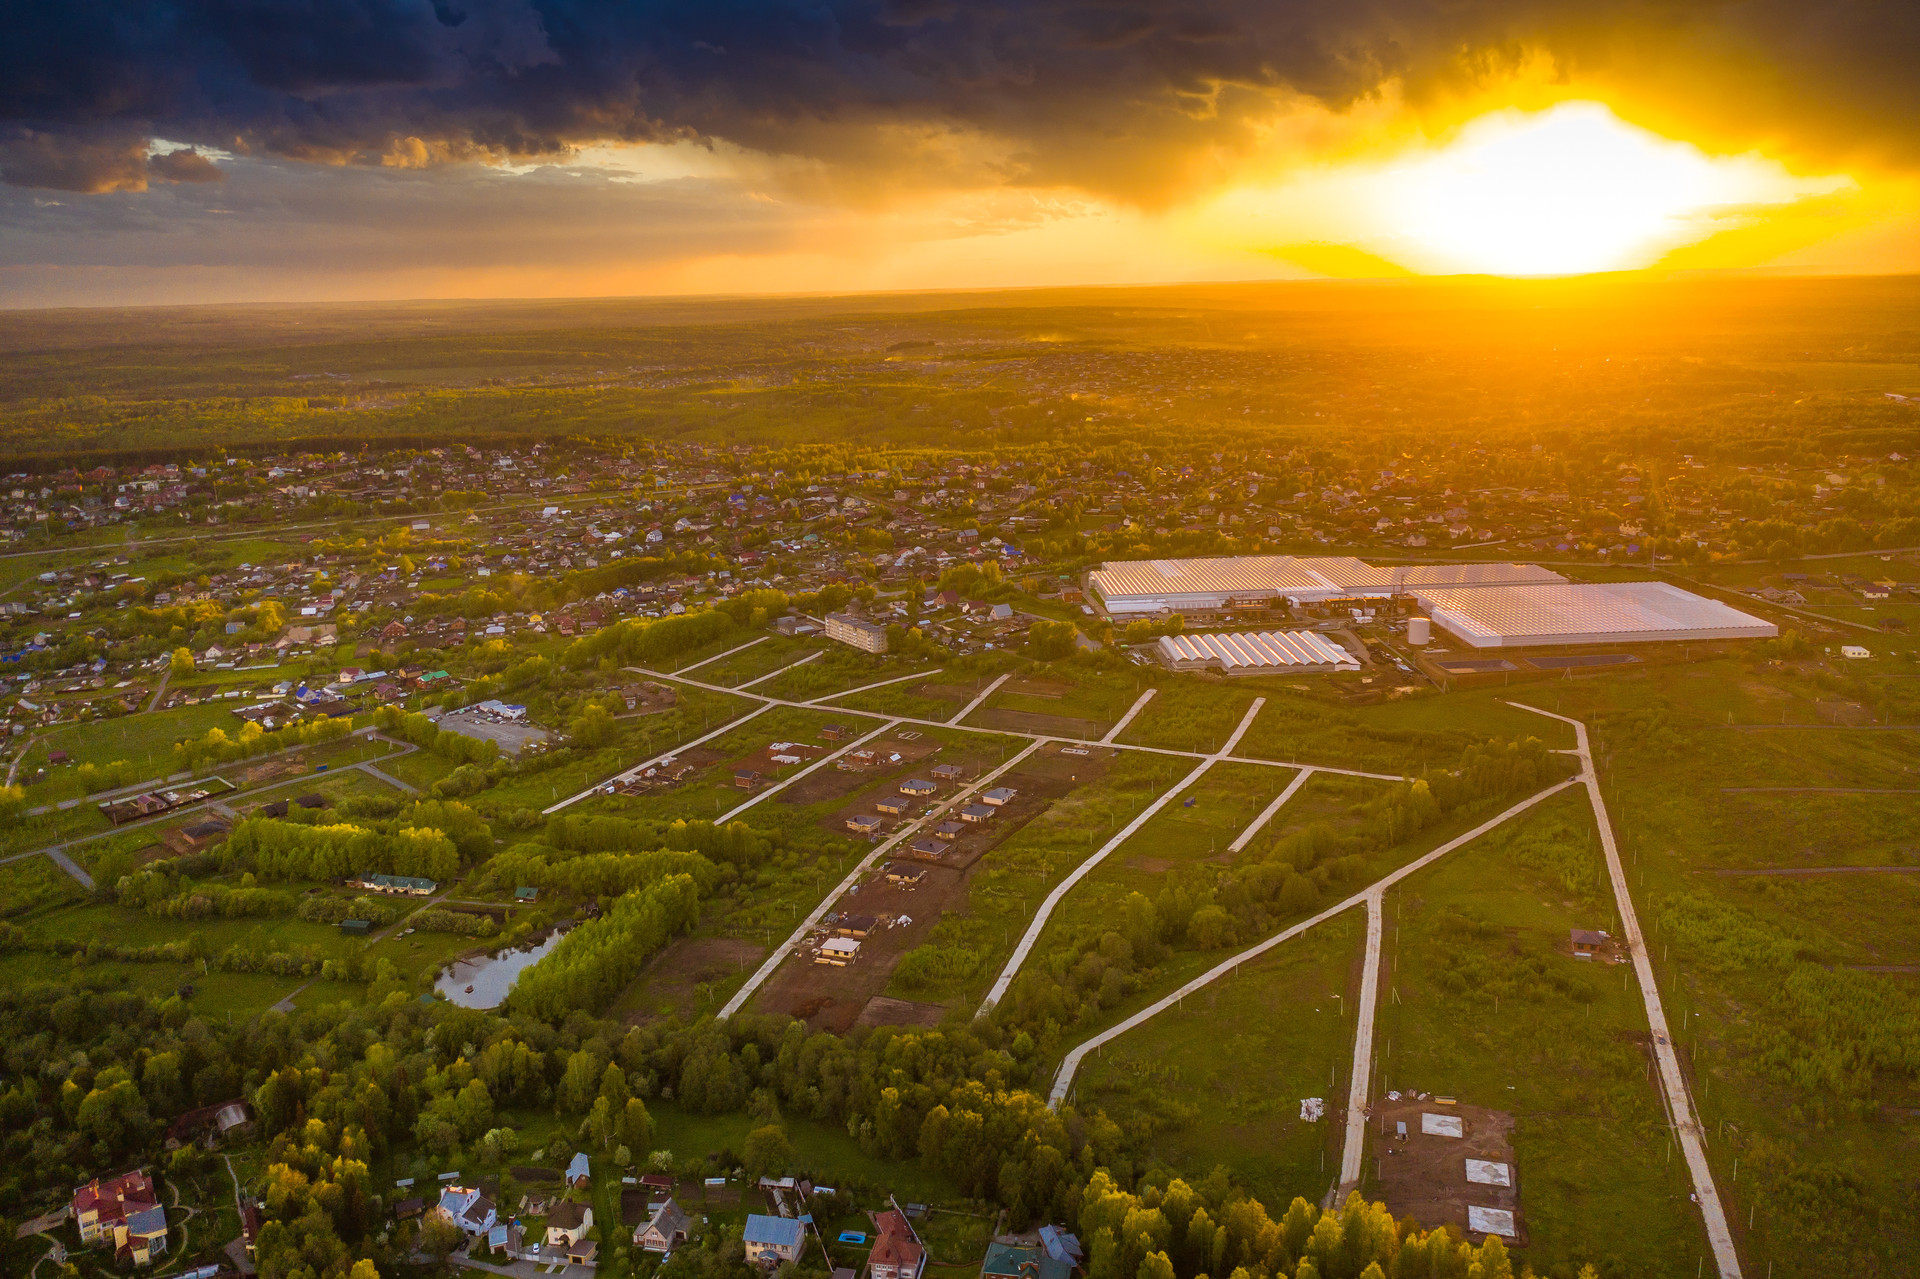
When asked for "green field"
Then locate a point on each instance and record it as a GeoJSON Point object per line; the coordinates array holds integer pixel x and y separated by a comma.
{"type": "Point", "coordinates": [1483, 1004]}
{"type": "Point", "coordinates": [1766, 977]}
{"type": "Point", "coordinates": [1220, 1079]}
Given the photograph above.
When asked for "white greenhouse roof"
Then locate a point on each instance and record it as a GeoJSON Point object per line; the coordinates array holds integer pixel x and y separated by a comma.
{"type": "Point", "coordinates": [1586, 613]}
{"type": "Point", "coordinates": [1146, 586]}
{"type": "Point", "coordinates": [1257, 650]}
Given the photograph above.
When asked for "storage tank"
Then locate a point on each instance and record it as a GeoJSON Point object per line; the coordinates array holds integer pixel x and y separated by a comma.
{"type": "Point", "coordinates": [1419, 631]}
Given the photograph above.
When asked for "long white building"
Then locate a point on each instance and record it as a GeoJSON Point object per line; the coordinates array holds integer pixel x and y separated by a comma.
{"type": "Point", "coordinates": [1126, 589]}
{"type": "Point", "coordinates": [1256, 653]}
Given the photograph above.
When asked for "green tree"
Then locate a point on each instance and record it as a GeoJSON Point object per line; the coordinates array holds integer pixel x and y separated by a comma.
{"type": "Point", "coordinates": [636, 1125]}
{"type": "Point", "coordinates": [1155, 1265]}
{"type": "Point", "coordinates": [181, 663]}
{"type": "Point", "coordinates": [592, 728]}
{"type": "Point", "coordinates": [768, 1151]}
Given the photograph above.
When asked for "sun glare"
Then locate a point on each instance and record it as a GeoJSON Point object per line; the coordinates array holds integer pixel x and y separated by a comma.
{"type": "Point", "coordinates": [1571, 189]}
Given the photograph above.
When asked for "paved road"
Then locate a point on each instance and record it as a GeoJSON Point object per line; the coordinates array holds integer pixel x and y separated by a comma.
{"type": "Point", "coordinates": [1080, 872]}
{"type": "Point", "coordinates": [371, 771]}
{"type": "Point", "coordinates": [985, 693]}
{"type": "Point", "coordinates": [153, 703]}
{"type": "Point", "coordinates": [886, 846]}
{"type": "Point", "coordinates": [879, 683]}
{"type": "Point", "coordinates": [810, 657]}
{"type": "Point", "coordinates": [1362, 1076]}
{"type": "Point", "coordinates": [1679, 1102]}
{"type": "Point", "coordinates": [1139, 704]}
{"type": "Point", "coordinates": [1266, 815]}
{"type": "Point", "coordinates": [768, 703]}
{"type": "Point", "coordinates": [706, 661]}
{"type": "Point", "coordinates": [1063, 1078]}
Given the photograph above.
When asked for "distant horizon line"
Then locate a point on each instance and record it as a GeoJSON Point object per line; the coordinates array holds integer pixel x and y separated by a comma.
{"type": "Point", "coordinates": [1409, 281]}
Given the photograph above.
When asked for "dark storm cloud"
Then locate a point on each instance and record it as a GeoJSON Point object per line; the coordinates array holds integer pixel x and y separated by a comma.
{"type": "Point", "coordinates": [1104, 95]}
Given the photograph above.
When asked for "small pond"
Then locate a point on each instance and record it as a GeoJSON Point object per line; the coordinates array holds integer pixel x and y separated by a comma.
{"type": "Point", "coordinates": [484, 982]}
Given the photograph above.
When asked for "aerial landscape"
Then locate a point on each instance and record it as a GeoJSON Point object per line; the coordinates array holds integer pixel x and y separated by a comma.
{"type": "Point", "coordinates": [1377, 747]}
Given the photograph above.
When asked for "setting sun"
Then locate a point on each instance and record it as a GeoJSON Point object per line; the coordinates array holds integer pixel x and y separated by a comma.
{"type": "Point", "coordinates": [1573, 189]}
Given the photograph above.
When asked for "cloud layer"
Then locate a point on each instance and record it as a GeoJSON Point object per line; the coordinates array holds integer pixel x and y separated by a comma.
{"type": "Point", "coordinates": [1126, 99]}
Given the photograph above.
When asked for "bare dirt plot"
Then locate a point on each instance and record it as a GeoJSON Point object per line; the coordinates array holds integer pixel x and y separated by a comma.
{"type": "Point", "coordinates": [1425, 1176]}
{"type": "Point", "coordinates": [883, 1010]}
{"type": "Point", "coordinates": [668, 985]}
{"type": "Point", "coordinates": [1034, 722]}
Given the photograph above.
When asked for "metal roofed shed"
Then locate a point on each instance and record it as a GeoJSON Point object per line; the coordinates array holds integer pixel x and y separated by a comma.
{"type": "Point", "coordinates": [1255, 653]}
{"type": "Point", "coordinates": [1586, 613]}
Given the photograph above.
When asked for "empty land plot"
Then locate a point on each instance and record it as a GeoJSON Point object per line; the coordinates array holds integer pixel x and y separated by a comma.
{"type": "Point", "coordinates": [931, 700]}
{"type": "Point", "coordinates": [1788, 829]}
{"type": "Point", "coordinates": [34, 883]}
{"type": "Point", "coordinates": [1043, 724]}
{"type": "Point", "coordinates": [1081, 695]}
{"type": "Point", "coordinates": [763, 658]}
{"type": "Point", "coordinates": [838, 669]}
{"type": "Point", "coordinates": [1483, 1001]}
{"type": "Point", "coordinates": [1331, 800]}
{"type": "Point", "coordinates": [1393, 737]}
{"type": "Point", "coordinates": [1191, 715]}
{"type": "Point", "coordinates": [685, 978]}
{"type": "Point", "coordinates": [1220, 1079]}
{"type": "Point", "coordinates": [145, 742]}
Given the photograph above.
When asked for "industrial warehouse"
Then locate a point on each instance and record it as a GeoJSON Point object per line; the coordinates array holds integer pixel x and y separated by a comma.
{"type": "Point", "coordinates": [1586, 613]}
{"type": "Point", "coordinates": [1492, 605]}
{"type": "Point", "coordinates": [1209, 589]}
{"type": "Point", "coordinates": [1256, 653]}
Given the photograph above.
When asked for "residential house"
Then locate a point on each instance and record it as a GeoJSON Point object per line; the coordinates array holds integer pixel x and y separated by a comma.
{"type": "Point", "coordinates": [468, 1209]}
{"type": "Point", "coordinates": [772, 1240]}
{"type": "Point", "coordinates": [578, 1174]}
{"type": "Point", "coordinates": [666, 1229]}
{"type": "Point", "coordinates": [122, 1213]}
{"type": "Point", "coordinates": [897, 1253]}
{"type": "Point", "coordinates": [568, 1223]}
{"type": "Point", "coordinates": [1056, 1256]}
